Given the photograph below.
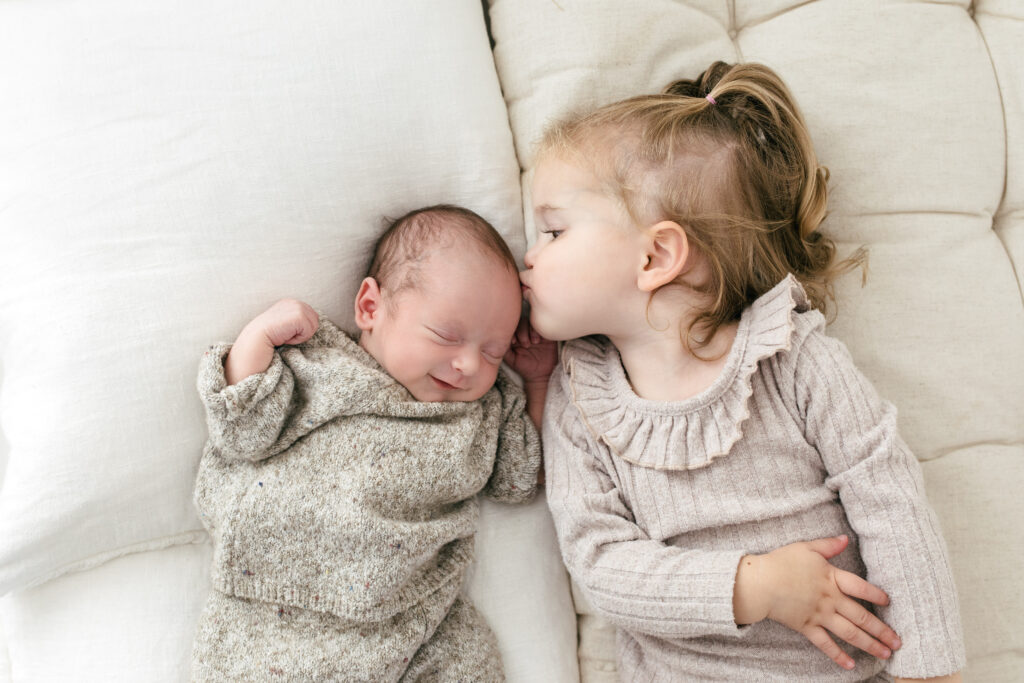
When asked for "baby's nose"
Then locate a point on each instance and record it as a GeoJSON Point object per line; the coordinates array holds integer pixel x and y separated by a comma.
{"type": "Point", "coordinates": [466, 362]}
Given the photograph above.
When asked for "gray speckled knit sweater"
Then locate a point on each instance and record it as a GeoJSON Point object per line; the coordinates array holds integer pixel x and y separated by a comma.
{"type": "Point", "coordinates": [325, 485]}
{"type": "Point", "coordinates": [655, 503]}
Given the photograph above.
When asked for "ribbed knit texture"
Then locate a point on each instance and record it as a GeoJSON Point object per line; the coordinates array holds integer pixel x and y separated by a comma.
{"type": "Point", "coordinates": [655, 503]}
{"type": "Point", "coordinates": [326, 486]}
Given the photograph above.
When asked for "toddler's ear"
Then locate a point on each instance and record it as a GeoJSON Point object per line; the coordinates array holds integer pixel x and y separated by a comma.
{"type": "Point", "coordinates": [667, 250]}
{"type": "Point", "coordinates": [368, 304]}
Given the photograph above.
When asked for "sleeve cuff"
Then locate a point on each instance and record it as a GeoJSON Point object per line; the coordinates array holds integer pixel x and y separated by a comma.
{"type": "Point", "coordinates": [235, 400]}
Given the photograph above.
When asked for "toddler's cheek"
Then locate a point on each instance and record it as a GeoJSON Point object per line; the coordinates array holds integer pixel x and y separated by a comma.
{"type": "Point", "coordinates": [546, 326]}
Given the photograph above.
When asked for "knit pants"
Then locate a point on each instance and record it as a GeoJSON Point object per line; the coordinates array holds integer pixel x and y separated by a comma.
{"type": "Point", "coordinates": [247, 640]}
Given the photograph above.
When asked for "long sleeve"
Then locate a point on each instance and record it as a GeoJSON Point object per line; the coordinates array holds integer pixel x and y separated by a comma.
{"type": "Point", "coordinates": [245, 419]}
{"type": "Point", "coordinates": [881, 488]}
{"type": "Point", "coordinates": [517, 461]}
{"type": "Point", "coordinates": [637, 583]}
{"type": "Point", "coordinates": [304, 386]}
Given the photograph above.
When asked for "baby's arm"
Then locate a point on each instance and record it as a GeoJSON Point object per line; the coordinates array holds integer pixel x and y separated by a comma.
{"type": "Point", "coordinates": [881, 488]}
{"type": "Point", "coordinates": [534, 358]}
{"type": "Point", "coordinates": [517, 459]}
{"type": "Point", "coordinates": [286, 322]}
{"type": "Point", "coordinates": [247, 389]}
{"type": "Point", "coordinates": [647, 586]}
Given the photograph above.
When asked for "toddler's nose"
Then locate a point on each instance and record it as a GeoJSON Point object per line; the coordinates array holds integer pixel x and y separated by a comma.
{"type": "Point", "coordinates": [531, 253]}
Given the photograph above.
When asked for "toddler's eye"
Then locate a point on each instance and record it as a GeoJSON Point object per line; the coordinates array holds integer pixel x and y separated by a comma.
{"type": "Point", "coordinates": [554, 233]}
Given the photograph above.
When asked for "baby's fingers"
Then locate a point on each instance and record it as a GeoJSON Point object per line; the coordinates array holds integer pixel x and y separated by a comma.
{"type": "Point", "coordinates": [522, 334]}
{"type": "Point", "coordinates": [856, 587]}
{"type": "Point", "coordinates": [821, 640]}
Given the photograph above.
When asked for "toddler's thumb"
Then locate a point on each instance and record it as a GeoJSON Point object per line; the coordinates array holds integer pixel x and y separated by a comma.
{"type": "Point", "coordinates": [831, 546]}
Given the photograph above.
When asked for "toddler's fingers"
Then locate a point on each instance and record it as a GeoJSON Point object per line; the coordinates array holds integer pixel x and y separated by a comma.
{"type": "Point", "coordinates": [856, 587]}
{"type": "Point", "coordinates": [820, 639]}
{"type": "Point", "coordinates": [829, 547]}
{"type": "Point", "coordinates": [852, 634]}
{"type": "Point", "coordinates": [869, 623]}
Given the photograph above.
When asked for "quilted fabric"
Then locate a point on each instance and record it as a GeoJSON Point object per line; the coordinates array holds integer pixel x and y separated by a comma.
{"type": "Point", "coordinates": [917, 109]}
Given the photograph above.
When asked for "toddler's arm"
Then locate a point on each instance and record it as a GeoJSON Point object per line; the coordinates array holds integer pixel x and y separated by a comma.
{"type": "Point", "coordinates": [246, 388]}
{"type": "Point", "coordinates": [881, 488]}
{"type": "Point", "coordinates": [796, 586]}
{"type": "Point", "coordinates": [646, 586]}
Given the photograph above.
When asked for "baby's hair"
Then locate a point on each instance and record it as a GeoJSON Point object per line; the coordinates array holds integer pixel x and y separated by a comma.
{"type": "Point", "coordinates": [408, 241]}
{"type": "Point", "coordinates": [728, 157]}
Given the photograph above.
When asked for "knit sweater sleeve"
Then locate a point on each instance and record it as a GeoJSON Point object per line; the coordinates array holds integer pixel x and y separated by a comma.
{"type": "Point", "coordinates": [245, 419]}
{"type": "Point", "coordinates": [636, 582]}
{"type": "Point", "coordinates": [880, 485]}
{"type": "Point", "coordinates": [517, 460]}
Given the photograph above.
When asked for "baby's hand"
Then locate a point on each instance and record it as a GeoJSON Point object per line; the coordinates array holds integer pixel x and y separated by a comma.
{"type": "Point", "coordinates": [796, 586]}
{"type": "Point", "coordinates": [531, 355]}
{"type": "Point", "coordinates": [289, 321]}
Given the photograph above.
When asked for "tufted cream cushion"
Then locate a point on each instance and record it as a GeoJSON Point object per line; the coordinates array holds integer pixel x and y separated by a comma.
{"type": "Point", "coordinates": [166, 173]}
{"type": "Point", "coordinates": [918, 110]}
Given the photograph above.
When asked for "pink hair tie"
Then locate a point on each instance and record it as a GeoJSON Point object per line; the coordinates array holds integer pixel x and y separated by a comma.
{"type": "Point", "coordinates": [710, 99]}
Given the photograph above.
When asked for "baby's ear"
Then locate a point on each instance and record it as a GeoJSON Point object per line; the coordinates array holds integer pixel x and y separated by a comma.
{"type": "Point", "coordinates": [368, 304]}
{"type": "Point", "coordinates": [667, 249]}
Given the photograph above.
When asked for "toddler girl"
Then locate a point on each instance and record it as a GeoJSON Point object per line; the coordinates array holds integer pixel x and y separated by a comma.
{"type": "Point", "coordinates": [699, 444]}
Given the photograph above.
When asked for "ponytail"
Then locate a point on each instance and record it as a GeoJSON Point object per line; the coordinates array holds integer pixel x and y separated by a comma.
{"type": "Point", "coordinates": [727, 156]}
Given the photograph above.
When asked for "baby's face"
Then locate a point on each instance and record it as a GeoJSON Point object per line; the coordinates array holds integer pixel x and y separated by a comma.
{"type": "Point", "coordinates": [444, 339]}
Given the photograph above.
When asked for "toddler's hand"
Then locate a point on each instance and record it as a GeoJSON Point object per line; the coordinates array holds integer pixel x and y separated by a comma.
{"type": "Point", "coordinates": [531, 355]}
{"type": "Point", "coordinates": [796, 586]}
{"type": "Point", "coordinates": [289, 321]}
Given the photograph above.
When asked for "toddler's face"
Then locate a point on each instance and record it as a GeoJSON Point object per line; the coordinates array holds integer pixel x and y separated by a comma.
{"type": "Point", "coordinates": [582, 270]}
{"type": "Point", "coordinates": [444, 339]}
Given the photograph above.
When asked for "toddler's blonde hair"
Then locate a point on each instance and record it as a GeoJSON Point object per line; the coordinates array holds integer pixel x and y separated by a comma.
{"type": "Point", "coordinates": [728, 157]}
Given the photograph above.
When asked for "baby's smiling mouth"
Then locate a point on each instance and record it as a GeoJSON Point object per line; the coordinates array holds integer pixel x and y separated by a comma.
{"type": "Point", "coordinates": [443, 384]}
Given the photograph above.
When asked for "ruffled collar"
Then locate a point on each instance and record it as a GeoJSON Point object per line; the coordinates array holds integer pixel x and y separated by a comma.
{"type": "Point", "coordinates": [688, 434]}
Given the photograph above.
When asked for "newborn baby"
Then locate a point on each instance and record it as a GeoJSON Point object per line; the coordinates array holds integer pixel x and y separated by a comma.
{"type": "Point", "coordinates": [340, 480]}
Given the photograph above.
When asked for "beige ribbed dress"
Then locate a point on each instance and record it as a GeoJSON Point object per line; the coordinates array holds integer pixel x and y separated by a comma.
{"type": "Point", "coordinates": [655, 503]}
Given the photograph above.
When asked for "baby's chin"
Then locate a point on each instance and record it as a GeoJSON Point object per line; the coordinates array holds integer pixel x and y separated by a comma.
{"type": "Point", "coordinates": [440, 396]}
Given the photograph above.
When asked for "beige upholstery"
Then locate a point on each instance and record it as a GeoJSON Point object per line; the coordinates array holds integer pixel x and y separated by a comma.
{"type": "Point", "coordinates": [918, 110]}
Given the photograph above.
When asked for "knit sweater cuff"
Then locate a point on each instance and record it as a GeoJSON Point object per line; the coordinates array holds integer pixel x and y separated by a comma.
{"type": "Point", "coordinates": [230, 402]}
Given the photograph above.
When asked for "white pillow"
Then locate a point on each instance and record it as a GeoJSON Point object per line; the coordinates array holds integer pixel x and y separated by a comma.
{"type": "Point", "coordinates": [166, 173]}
